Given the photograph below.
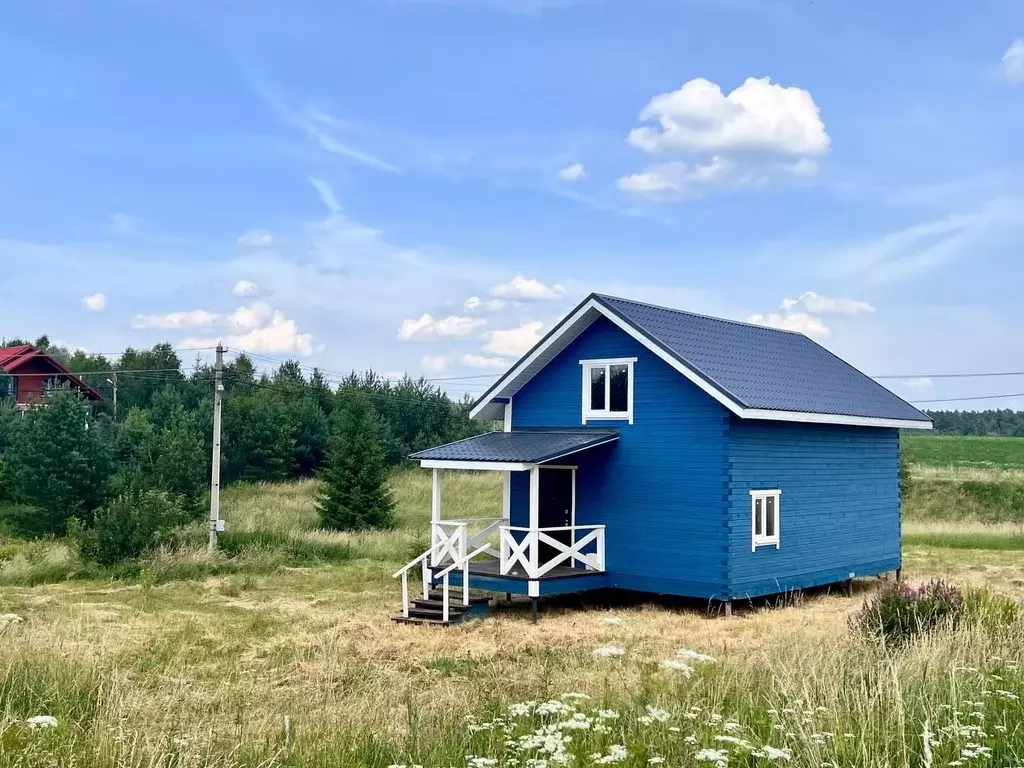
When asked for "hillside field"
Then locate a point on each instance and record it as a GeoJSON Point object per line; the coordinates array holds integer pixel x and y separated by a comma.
{"type": "Point", "coordinates": [280, 651]}
{"type": "Point", "coordinates": [963, 450]}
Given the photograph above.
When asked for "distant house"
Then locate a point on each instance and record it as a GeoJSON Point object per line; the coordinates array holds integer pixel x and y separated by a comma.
{"type": "Point", "coordinates": [666, 452]}
{"type": "Point", "coordinates": [33, 374]}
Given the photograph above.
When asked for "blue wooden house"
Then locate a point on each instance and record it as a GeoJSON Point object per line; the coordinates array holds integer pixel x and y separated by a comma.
{"type": "Point", "coordinates": [661, 451]}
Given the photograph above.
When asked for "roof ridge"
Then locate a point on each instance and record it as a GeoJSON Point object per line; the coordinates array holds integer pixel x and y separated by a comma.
{"type": "Point", "coordinates": [677, 311]}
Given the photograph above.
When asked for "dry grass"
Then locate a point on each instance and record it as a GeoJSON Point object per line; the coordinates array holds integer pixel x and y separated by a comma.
{"type": "Point", "coordinates": [960, 473]}
{"type": "Point", "coordinates": [218, 661]}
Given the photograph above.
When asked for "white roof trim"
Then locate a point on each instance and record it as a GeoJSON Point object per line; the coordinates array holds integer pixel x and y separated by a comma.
{"type": "Point", "coordinates": [568, 326]}
{"type": "Point", "coordinates": [500, 466]}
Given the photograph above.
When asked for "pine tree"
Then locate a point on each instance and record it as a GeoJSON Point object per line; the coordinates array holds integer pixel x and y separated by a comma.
{"type": "Point", "coordinates": [355, 493]}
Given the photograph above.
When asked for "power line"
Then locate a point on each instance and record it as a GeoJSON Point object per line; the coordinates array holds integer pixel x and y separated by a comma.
{"type": "Point", "coordinates": [950, 375]}
{"type": "Point", "coordinates": [962, 399]}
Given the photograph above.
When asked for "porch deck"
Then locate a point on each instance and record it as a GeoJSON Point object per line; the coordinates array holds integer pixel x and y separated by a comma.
{"type": "Point", "coordinates": [492, 568]}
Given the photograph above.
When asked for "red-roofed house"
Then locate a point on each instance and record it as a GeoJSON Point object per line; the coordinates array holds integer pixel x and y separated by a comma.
{"type": "Point", "coordinates": [33, 374]}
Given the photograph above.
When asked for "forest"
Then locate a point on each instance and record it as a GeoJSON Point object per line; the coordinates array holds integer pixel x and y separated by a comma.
{"type": "Point", "coordinates": [148, 467]}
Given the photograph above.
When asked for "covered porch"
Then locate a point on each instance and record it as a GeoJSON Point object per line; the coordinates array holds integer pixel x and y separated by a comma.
{"type": "Point", "coordinates": [537, 546]}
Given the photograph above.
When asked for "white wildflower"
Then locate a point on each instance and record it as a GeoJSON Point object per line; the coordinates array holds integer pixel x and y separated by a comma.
{"type": "Point", "coordinates": [655, 760]}
{"type": "Point", "coordinates": [775, 753]}
{"type": "Point", "coordinates": [687, 654]}
{"type": "Point", "coordinates": [9, 620]}
{"type": "Point", "coordinates": [690, 739]}
{"type": "Point", "coordinates": [1007, 695]}
{"type": "Point", "coordinates": [41, 721]}
{"type": "Point", "coordinates": [678, 666]}
{"type": "Point", "coordinates": [607, 714]}
{"type": "Point", "coordinates": [575, 696]}
{"type": "Point", "coordinates": [717, 756]}
{"type": "Point", "coordinates": [732, 727]}
{"type": "Point", "coordinates": [553, 707]}
{"type": "Point", "coordinates": [578, 722]}
{"type": "Point", "coordinates": [616, 754]}
{"type": "Point", "coordinates": [481, 762]}
{"type": "Point", "coordinates": [608, 651]}
{"type": "Point", "coordinates": [674, 729]}
{"type": "Point", "coordinates": [657, 714]}
{"type": "Point", "coordinates": [611, 621]}
{"type": "Point", "coordinates": [523, 709]}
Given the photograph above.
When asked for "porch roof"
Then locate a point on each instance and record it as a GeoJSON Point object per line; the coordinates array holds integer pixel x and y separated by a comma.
{"type": "Point", "coordinates": [527, 447]}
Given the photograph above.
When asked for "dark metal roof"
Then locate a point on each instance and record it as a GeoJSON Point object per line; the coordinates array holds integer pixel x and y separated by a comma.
{"type": "Point", "coordinates": [760, 367]}
{"type": "Point", "coordinates": [532, 447]}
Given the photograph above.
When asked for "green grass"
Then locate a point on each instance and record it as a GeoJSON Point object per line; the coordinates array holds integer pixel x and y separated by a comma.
{"type": "Point", "coordinates": [963, 451]}
{"type": "Point", "coordinates": [966, 540]}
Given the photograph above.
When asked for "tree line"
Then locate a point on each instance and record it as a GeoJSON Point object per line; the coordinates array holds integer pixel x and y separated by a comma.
{"type": "Point", "coordinates": [996, 422]}
{"type": "Point", "coordinates": [73, 468]}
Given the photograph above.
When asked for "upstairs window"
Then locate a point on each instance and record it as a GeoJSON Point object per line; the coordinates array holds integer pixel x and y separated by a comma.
{"type": "Point", "coordinates": [608, 389]}
{"type": "Point", "coordinates": [764, 519]}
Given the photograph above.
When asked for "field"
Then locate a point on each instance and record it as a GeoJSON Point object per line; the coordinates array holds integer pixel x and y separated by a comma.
{"type": "Point", "coordinates": [964, 451]}
{"type": "Point", "coordinates": [281, 652]}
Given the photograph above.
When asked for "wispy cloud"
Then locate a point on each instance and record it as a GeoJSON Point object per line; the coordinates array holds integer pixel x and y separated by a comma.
{"type": "Point", "coordinates": [921, 247]}
{"type": "Point", "coordinates": [325, 130]}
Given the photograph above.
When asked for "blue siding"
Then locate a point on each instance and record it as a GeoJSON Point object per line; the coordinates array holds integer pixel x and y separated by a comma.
{"type": "Point", "coordinates": [840, 507]}
{"type": "Point", "coordinates": [661, 489]}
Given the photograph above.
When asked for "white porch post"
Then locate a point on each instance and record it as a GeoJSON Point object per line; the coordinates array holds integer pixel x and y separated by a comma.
{"type": "Point", "coordinates": [435, 512]}
{"type": "Point", "coordinates": [534, 535]}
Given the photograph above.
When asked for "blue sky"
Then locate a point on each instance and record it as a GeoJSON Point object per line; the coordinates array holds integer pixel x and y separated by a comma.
{"type": "Point", "coordinates": [337, 181]}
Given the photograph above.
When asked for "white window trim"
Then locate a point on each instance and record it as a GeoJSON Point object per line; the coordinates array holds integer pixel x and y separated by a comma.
{"type": "Point", "coordinates": [765, 541]}
{"type": "Point", "coordinates": [606, 415]}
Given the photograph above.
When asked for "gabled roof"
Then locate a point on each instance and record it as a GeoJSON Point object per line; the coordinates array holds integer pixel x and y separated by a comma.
{"type": "Point", "coordinates": [526, 447]}
{"type": "Point", "coordinates": [755, 371]}
{"type": "Point", "coordinates": [13, 358]}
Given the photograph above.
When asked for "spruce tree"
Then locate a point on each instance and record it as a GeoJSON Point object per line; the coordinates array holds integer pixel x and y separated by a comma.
{"type": "Point", "coordinates": [355, 493]}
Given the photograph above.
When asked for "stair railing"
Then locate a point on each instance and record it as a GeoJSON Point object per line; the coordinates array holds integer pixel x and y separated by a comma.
{"type": "Point", "coordinates": [464, 565]}
{"type": "Point", "coordinates": [404, 573]}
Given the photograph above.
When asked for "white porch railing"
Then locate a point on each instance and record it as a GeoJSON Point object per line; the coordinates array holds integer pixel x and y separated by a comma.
{"type": "Point", "coordinates": [517, 547]}
{"type": "Point", "coordinates": [525, 551]}
{"type": "Point", "coordinates": [452, 539]}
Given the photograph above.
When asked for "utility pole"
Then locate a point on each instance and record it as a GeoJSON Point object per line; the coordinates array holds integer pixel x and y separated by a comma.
{"type": "Point", "coordinates": [216, 524]}
{"type": "Point", "coordinates": [113, 382]}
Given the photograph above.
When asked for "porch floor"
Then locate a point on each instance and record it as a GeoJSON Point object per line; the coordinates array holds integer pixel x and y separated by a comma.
{"type": "Point", "coordinates": [493, 568]}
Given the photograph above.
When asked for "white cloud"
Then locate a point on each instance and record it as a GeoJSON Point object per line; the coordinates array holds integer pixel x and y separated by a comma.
{"type": "Point", "coordinates": [1013, 62]}
{"type": "Point", "coordinates": [196, 318]}
{"type": "Point", "coordinates": [255, 239]}
{"type": "Point", "coordinates": [817, 304]}
{"type": "Point", "coordinates": [434, 363]}
{"type": "Point", "coordinates": [801, 322]}
{"type": "Point", "coordinates": [481, 361]}
{"type": "Point", "coordinates": [426, 327]}
{"type": "Point", "coordinates": [474, 303]}
{"type": "Point", "coordinates": [251, 317]}
{"type": "Point", "coordinates": [324, 129]}
{"type": "Point", "coordinates": [245, 288]}
{"type": "Point", "coordinates": [677, 180]}
{"type": "Point", "coordinates": [905, 253]}
{"type": "Point", "coordinates": [757, 116]}
{"type": "Point", "coordinates": [921, 382]}
{"type": "Point", "coordinates": [573, 172]}
{"type": "Point", "coordinates": [94, 302]}
{"type": "Point", "coordinates": [738, 140]}
{"type": "Point", "coordinates": [520, 287]}
{"type": "Point", "coordinates": [514, 342]}
{"type": "Point", "coordinates": [275, 334]}
{"type": "Point", "coordinates": [326, 194]}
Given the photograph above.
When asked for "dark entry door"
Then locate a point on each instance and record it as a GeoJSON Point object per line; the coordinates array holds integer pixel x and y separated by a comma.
{"type": "Point", "coordinates": [556, 498]}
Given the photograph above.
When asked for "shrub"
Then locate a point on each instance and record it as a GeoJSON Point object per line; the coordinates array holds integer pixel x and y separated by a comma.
{"type": "Point", "coordinates": [898, 613]}
{"type": "Point", "coordinates": [131, 525]}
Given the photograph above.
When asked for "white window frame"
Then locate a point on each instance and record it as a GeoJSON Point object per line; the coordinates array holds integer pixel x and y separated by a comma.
{"type": "Point", "coordinates": [590, 414]}
{"type": "Point", "coordinates": [762, 540]}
